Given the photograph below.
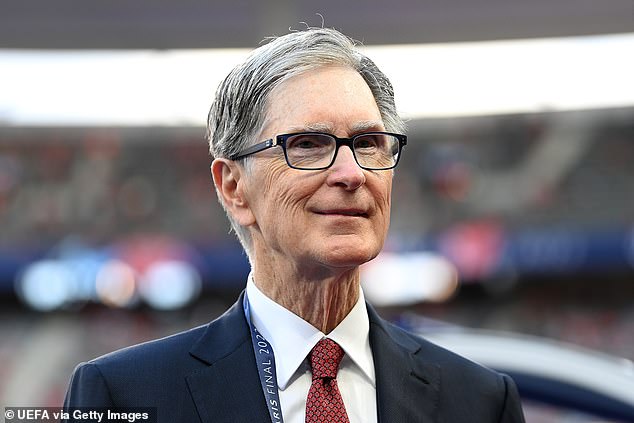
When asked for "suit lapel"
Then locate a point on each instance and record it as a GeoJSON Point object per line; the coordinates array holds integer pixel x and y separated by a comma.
{"type": "Point", "coordinates": [229, 389]}
{"type": "Point", "coordinates": [407, 388]}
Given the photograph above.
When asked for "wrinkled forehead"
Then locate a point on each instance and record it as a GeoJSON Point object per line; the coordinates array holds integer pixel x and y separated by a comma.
{"type": "Point", "coordinates": [323, 99]}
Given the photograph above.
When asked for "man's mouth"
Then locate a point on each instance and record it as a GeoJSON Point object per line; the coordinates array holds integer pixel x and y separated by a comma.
{"type": "Point", "coordinates": [344, 212]}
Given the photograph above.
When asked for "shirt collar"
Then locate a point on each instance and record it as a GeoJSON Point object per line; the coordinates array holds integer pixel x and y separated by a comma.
{"type": "Point", "coordinates": [292, 337]}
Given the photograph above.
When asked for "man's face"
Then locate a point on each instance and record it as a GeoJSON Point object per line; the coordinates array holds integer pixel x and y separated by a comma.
{"type": "Point", "coordinates": [336, 217]}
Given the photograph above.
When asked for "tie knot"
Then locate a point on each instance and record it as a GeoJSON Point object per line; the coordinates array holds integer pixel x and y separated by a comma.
{"type": "Point", "coordinates": [325, 358]}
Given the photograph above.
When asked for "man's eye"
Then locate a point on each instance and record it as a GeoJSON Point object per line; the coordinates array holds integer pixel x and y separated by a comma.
{"type": "Point", "coordinates": [367, 142]}
{"type": "Point", "coordinates": [304, 144]}
{"type": "Point", "coordinates": [307, 143]}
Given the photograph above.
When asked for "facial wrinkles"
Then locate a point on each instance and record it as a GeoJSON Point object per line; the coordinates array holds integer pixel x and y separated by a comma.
{"type": "Point", "coordinates": [273, 172]}
{"type": "Point", "coordinates": [385, 202]}
{"type": "Point", "coordinates": [293, 200]}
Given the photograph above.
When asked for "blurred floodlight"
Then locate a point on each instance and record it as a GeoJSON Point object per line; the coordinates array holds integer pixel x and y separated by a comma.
{"type": "Point", "coordinates": [512, 76]}
{"type": "Point", "coordinates": [175, 87]}
{"type": "Point", "coordinates": [111, 87]}
{"type": "Point", "coordinates": [116, 284]}
{"type": "Point", "coordinates": [402, 279]}
{"type": "Point", "coordinates": [46, 285]}
{"type": "Point", "coordinates": [170, 285]}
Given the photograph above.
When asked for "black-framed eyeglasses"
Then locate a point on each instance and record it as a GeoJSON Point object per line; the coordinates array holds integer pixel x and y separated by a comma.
{"type": "Point", "coordinates": [318, 150]}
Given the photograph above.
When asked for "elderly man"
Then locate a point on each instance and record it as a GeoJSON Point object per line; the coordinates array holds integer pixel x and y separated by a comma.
{"type": "Point", "coordinates": [305, 138]}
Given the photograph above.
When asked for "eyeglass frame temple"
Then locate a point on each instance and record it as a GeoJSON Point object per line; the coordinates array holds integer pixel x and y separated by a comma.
{"type": "Point", "coordinates": [256, 148]}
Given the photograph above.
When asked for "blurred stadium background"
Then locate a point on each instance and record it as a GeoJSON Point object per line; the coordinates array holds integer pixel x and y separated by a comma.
{"type": "Point", "coordinates": [513, 205]}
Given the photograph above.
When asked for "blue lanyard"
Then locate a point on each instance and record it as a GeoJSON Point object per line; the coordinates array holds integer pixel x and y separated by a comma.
{"type": "Point", "coordinates": [265, 360]}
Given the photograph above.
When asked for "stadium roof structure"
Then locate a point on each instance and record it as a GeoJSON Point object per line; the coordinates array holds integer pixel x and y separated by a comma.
{"type": "Point", "coordinates": [166, 24]}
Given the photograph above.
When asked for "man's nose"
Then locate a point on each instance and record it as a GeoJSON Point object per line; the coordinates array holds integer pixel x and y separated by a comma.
{"type": "Point", "coordinates": [345, 171]}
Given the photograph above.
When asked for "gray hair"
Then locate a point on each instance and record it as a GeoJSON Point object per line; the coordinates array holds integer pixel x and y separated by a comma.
{"type": "Point", "coordinates": [238, 112]}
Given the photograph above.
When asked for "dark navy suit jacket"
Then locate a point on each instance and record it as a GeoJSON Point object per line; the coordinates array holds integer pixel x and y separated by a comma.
{"type": "Point", "coordinates": [208, 374]}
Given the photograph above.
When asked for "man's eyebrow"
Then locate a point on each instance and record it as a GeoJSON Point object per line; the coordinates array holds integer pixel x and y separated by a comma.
{"type": "Point", "coordinates": [367, 125]}
{"type": "Point", "coordinates": [362, 126]}
{"type": "Point", "coordinates": [313, 127]}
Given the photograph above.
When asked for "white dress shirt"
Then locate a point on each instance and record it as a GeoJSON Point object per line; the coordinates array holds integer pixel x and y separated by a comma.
{"type": "Point", "coordinates": [292, 338]}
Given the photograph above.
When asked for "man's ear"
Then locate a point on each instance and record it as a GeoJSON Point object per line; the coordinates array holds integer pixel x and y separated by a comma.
{"type": "Point", "coordinates": [229, 179]}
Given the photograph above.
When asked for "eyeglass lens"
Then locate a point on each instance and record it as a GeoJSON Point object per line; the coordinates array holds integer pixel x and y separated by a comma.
{"type": "Point", "coordinates": [314, 151]}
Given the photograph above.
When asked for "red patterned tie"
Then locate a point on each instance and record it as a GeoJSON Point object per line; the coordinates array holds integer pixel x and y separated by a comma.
{"type": "Point", "coordinates": [324, 402]}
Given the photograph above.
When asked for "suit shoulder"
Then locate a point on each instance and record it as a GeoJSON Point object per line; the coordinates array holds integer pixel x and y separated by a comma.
{"type": "Point", "coordinates": [162, 349]}
{"type": "Point", "coordinates": [453, 364]}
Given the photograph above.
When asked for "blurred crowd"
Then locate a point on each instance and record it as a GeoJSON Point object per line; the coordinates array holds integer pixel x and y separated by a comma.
{"type": "Point", "coordinates": [104, 184]}
{"type": "Point", "coordinates": [569, 170]}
